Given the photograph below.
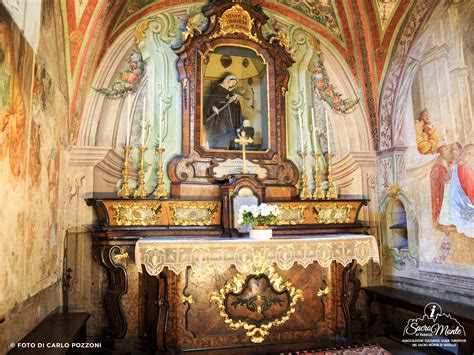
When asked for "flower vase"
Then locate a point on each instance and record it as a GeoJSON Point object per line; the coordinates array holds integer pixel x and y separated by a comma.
{"type": "Point", "coordinates": [260, 232]}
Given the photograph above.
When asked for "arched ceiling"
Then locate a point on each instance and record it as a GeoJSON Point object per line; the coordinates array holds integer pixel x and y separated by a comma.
{"type": "Point", "coordinates": [363, 32]}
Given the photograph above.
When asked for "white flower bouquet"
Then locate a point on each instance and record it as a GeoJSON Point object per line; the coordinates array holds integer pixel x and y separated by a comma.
{"type": "Point", "coordinates": [258, 216]}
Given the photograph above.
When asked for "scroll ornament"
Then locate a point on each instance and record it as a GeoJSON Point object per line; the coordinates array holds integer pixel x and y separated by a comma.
{"type": "Point", "coordinates": [129, 79]}
{"type": "Point", "coordinates": [327, 91]}
{"type": "Point", "coordinates": [189, 28]}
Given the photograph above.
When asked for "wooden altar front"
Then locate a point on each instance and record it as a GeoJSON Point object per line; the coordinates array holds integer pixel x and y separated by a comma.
{"type": "Point", "coordinates": [185, 294]}
{"type": "Point", "coordinates": [253, 295]}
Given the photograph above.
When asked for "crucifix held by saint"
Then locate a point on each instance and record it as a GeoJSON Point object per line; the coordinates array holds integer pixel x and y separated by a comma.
{"type": "Point", "coordinates": [243, 140]}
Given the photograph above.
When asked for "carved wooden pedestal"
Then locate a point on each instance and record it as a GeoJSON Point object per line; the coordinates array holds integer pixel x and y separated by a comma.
{"type": "Point", "coordinates": [118, 285]}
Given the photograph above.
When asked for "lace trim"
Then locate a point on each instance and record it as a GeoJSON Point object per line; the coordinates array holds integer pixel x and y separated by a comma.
{"type": "Point", "coordinates": [207, 255]}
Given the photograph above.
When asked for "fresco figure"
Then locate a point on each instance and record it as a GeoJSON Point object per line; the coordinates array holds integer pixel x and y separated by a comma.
{"type": "Point", "coordinates": [427, 137]}
{"type": "Point", "coordinates": [439, 177]}
{"type": "Point", "coordinates": [462, 193]}
{"type": "Point", "coordinates": [223, 114]}
{"type": "Point", "coordinates": [13, 117]}
{"type": "Point", "coordinates": [455, 150]}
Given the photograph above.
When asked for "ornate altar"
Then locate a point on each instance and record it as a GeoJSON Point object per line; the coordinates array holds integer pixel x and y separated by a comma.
{"type": "Point", "coordinates": [199, 288]}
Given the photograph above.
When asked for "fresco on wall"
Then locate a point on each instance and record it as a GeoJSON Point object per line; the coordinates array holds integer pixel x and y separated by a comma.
{"type": "Point", "coordinates": [51, 43]}
{"type": "Point", "coordinates": [452, 188]}
{"type": "Point", "coordinates": [13, 113]}
{"type": "Point", "coordinates": [33, 114]}
{"type": "Point", "coordinates": [427, 137]}
{"type": "Point", "coordinates": [441, 168]}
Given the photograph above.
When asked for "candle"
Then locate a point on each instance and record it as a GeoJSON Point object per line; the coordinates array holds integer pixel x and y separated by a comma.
{"type": "Point", "coordinates": [143, 121]}
{"type": "Point", "coordinates": [327, 131]}
{"type": "Point", "coordinates": [300, 122]}
{"type": "Point", "coordinates": [313, 116]}
{"type": "Point", "coordinates": [160, 126]}
{"type": "Point", "coordinates": [128, 119]}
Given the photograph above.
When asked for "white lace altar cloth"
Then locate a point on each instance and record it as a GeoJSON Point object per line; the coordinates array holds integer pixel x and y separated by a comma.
{"type": "Point", "coordinates": [206, 254]}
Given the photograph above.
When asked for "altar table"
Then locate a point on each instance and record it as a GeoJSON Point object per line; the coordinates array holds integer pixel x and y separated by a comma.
{"type": "Point", "coordinates": [217, 293]}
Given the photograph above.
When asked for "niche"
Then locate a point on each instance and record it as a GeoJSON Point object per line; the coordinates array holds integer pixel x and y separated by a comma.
{"type": "Point", "coordinates": [397, 225]}
{"type": "Point", "coordinates": [399, 229]}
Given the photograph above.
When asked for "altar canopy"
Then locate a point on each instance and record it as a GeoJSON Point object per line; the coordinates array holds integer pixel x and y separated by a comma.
{"type": "Point", "coordinates": [206, 254]}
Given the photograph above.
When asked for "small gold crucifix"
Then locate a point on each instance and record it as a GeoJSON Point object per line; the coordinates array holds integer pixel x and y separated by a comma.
{"type": "Point", "coordinates": [243, 141]}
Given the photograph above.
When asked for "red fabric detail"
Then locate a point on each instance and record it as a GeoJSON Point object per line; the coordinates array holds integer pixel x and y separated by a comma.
{"type": "Point", "coordinates": [438, 177]}
{"type": "Point", "coordinates": [466, 179]}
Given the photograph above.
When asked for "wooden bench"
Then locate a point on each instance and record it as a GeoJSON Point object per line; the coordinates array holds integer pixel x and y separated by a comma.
{"type": "Point", "coordinates": [60, 328]}
{"type": "Point", "coordinates": [380, 296]}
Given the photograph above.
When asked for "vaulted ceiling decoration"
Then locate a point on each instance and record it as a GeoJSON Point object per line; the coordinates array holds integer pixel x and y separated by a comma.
{"type": "Point", "coordinates": [363, 34]}
{"type": "Point", "coordinates": [386, 9]}
{"type": "Point", "coordinates": [323, 12]}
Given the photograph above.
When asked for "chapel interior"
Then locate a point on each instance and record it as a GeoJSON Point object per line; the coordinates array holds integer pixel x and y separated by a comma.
{"type": "Point", "coordinates": [136, 134]}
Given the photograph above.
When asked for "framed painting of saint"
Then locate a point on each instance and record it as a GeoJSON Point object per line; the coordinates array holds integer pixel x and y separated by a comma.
{"type": "Point", "coordinates": [234, 99]}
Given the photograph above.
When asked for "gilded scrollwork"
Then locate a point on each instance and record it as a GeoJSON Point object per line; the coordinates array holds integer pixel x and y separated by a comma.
{"type": "Point", "coordinates": [164, 24]}
{"type": "Point", "coordinates": [283, 40]}
{"type": "Point", "coordinates": [329, 213]}
{"type": "Point", "coordinates": [259, 291]}
{"type": "Point", "coordinates": [193, 213]}
{"type": "Point", "coordinates": [136, 214]}
{"type": "Point", "coordinates": [187, 299]}
{"type": "Point", "coordinates": [122, 255]}
{"type": "Point", "coordinates": [290, 214]}
{"type": "Point", "coordinates": [324, 292]}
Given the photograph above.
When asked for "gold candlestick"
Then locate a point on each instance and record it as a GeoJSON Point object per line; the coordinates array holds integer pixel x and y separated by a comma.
{"type": "Point", "coordinates": [318, 192]}
{"type": "Point", "coordinates": [304, 194]}
{"type": "Point", "coordinates": [141, 191]}
{"type": "Point", "coordinates": [124, 191]}
{"type": "Point", "coordinates": [160, 188]}
{"type": "Point", "coordinates": [332, 194]}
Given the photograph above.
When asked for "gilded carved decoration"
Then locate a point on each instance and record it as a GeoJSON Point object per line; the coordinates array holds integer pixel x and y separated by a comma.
{"type": "Point", "coordinates": [164, 24]}
{"type": "Point", "coordinates": [236, 20]}
{"type": "Point", "coordinates": [282, 38]}
{"type": "Point", "coordinates": [187, 299]}
{"type": "Point", "coordinates": [256, 301]}
{"type": "Point", "coordinates": [333, 213]}
{"type": "Point", "coordinates": [290, 214]}
{"type": "Point", "coordinates": [193, 213]}
{"type": "Point", "coordinates": [137, 214]}
{"type": "Point", "coordinates": [122, 255]}
{"type": "Point", "coordinates": [324, 292]}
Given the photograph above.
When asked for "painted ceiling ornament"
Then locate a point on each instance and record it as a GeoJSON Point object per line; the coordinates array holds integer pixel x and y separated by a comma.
{"type": "Point", "coordinates": [327, 91]}
{"type": "Point", "coordinates": [129, 79]}
{"type": "Point", "coordinates": [385, 10]}
{"type": "Point", "coordinates": [321, 11]}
